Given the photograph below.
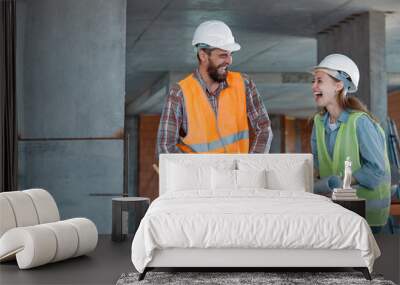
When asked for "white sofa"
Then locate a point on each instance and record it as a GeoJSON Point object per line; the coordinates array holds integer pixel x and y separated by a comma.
{"type": "Point", "coordinates": [31, 230]}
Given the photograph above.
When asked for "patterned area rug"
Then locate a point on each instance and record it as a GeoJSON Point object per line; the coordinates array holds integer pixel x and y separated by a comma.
{"type": "Point", "coordinates": [229, 278]}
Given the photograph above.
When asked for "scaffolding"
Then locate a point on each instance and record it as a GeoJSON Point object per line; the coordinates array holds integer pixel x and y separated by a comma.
{"type": "Point", "coordinates": [393, 153]}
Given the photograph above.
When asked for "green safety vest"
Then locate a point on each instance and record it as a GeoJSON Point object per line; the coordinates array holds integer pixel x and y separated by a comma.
{"type": "Point", "coordinates": [346, 145]}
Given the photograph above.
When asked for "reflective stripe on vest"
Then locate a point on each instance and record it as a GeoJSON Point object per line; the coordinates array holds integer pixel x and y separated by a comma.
{"type": "Point", "coordinates": [207, 133]}
{"type": "Point", "coordinates": [225, 141]}
{"type": "Point", "coordinates": [346, 145]}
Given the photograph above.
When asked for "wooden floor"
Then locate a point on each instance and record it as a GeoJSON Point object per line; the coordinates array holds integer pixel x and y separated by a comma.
{"type": "Point", "coordinates": [111, 259]}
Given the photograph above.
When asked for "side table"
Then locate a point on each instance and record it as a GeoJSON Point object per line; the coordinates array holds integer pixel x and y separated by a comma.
{"type": "Point", "coordinates": [120, 208]}
{"type": "Point", "coordinates": [355, 205]}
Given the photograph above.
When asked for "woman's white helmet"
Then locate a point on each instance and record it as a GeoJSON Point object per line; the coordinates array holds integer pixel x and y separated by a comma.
{"type": "Point", "coordinates": [342, 68]}
{"type": "Point", "coordinates": [215, 34]}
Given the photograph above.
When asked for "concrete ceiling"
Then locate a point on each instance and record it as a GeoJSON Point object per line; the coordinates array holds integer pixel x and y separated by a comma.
{"type": "Point", "coordinates": [277, 37]}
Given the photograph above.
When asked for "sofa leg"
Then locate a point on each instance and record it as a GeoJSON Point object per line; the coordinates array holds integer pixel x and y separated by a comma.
{"type": "Point", "coordinates": [143, 274]}
{"type": "Point", "coordinates": [364, 271]}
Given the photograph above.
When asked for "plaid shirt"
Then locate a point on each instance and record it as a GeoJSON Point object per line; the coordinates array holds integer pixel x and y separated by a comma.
{"type": "Point", "coordinates": [173, 123]}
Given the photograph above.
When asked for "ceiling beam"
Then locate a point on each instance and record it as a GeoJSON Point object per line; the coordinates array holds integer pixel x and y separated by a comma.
{"type": "Point", "coordinates": [151, 99]}
{"type": "Point", "coordinates": [280, 77]}
{"type": "Point", "coordinates": [393, 79]}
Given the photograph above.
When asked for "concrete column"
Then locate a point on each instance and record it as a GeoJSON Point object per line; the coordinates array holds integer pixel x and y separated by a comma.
{"type": "Point", "coordinates": [362, 38]}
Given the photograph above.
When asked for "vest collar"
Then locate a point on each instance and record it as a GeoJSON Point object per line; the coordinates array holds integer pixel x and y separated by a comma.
{"type": "Point", "coordinates": [222, 85]}
{"type": "Point", "coordinates": [343, 117]}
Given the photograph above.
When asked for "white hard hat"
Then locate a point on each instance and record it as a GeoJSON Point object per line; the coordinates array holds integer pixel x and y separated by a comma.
{"type": "Point", "coordinates": [342, 68]}
{"type": "Point", "coordinates": [215, 34]}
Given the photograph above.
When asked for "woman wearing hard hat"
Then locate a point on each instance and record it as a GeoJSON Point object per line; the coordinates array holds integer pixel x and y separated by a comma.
{"type": "Point", "coordinates": [345, 128]}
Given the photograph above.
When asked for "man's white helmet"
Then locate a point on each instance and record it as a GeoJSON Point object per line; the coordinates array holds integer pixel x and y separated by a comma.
{"type": "Point", "coordinates": [215, 34]}
{"type": "Point", "coordinates": [343, 68]}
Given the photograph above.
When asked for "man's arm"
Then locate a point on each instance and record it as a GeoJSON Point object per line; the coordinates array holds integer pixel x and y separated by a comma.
{"type": "Point", "coordinates": [170, 122]}
{"type": "Point", "coordinates": [258, 117]}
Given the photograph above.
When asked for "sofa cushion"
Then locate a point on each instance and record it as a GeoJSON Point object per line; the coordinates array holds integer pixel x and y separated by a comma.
{"type": "Point", "coordinates": [67, 239]}
{"type": "Point", "coordinates": [23, 208]}
{"type": "Point", "coordinates": [7, 220]}
{"type": "Point", "coordinates": [46, 207]}
{"type": "Point", "coordinates": [33, 246]}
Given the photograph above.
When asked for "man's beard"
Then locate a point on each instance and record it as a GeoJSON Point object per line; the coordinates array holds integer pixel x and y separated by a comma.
{"type": "Point", "coordinates": [212, 71]}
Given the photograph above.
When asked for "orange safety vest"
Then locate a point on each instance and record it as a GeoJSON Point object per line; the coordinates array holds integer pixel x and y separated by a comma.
{"type": "Point", "coordinates": [229, 133]}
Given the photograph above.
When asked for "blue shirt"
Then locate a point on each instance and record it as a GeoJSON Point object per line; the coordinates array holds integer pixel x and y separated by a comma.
{"type": "Point", "coordinates": [371, 143]}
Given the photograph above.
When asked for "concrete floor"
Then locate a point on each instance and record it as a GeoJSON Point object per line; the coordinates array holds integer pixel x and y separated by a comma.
{"type": "Point", "coordinates": [111, 259]}
{"type": "Point", "coordinates": [388, 263]}
{"type": "Point", "coordinates": [103, 266]}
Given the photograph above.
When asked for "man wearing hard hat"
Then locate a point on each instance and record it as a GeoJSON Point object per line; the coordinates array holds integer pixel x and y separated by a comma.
{"type": "Point", "coordinates": [213, 110]}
